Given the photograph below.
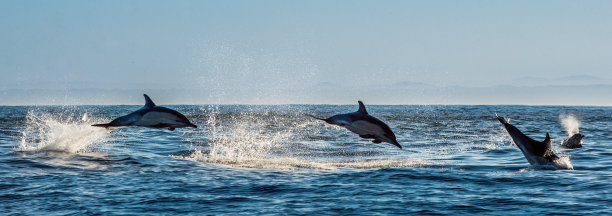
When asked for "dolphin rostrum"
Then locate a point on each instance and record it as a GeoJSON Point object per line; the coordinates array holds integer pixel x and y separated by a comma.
{"type": "Point", "coordinates": [537, 153]}
{"type": "Point", "coordinates": [151, 116]}
{"type": "Point", "coordinates": [365, 125]}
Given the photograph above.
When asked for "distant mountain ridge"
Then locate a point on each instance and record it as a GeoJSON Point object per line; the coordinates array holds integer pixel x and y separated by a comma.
{"type": "Point", "coordinates": [571, 90]}
{"type": "Point", "coordinates": [565, 80]}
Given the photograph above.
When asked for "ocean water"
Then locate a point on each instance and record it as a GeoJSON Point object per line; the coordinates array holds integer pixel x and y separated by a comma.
{"type": "Point", "coordinates": [245, 160]}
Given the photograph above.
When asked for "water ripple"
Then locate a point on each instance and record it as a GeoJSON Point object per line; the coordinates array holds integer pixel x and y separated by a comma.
{"type": "Point", "coordinates": [274, 160]}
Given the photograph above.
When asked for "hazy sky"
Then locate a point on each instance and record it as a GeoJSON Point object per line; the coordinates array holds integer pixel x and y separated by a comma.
{"type": "Point", "coordinates": [222, 48]}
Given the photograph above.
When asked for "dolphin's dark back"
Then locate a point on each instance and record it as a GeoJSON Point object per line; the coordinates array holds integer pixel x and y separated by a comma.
{"type": "Point", "coordinates": [359, 116]}
{"type": "Point", "coordinates": [366, 117]}
{"type": "Point", "coordinates": [133, 118]}
{"type": "Point", "coordinates": [363, 124]}
{"type": "Point", "coordinates": [542, 149]}
{"type": "Point", "coordinates": [168, 110]}
{"type": "Point", "coordinates": [513, 130]}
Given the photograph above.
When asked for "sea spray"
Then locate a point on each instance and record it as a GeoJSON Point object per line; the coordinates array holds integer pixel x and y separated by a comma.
{"type": "Point", "coordinates": [60, 131]}
{"type": "Point", "coordinates": [570, 123]}
{"type": "Point", "coordinates": [241, 139]}
{"type": "Point", "coordinates": [265, 139]}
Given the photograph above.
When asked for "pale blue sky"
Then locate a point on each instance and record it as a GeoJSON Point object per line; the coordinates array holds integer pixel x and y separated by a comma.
{"type": "Point", "coordinates": [288, 48]}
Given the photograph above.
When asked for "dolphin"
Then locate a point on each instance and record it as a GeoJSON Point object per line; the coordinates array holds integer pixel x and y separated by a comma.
{"type": "Point", "coordinates": [572, 142]}
{"type": "Point", "coordinates": [151, 116]}
{"type": "Point", "coordinates": [537, 153]}
{"type": "Point", "coordinates": [363, 124]}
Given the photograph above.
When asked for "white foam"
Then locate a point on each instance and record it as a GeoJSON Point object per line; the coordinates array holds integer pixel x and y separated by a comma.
{"type": "Point", "coordinates": [48, 132]}
{"type": "Point", "coordinates": [562, 163]}
{"type": "Point", "coordinates": [288, 163]}
{"type": "Point", "coordinates": [570, 123]}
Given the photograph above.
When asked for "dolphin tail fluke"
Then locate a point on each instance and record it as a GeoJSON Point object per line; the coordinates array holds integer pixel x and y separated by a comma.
{"type": "Point", "coordinates": [501, 119]}
{"type": "Point", "coordinates": [101, 125]}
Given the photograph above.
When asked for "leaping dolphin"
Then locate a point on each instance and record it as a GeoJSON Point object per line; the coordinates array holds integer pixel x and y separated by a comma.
{"type": "Point", "coordinates": [151, 116]}
{"type": "Point", "coordinates": [365, 125]}
{"type": "Point", "coordinates": [537, 153]}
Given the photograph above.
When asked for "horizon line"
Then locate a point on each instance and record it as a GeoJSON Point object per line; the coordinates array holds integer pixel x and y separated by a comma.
{"type": "Point", "coordinates": [316, 104]}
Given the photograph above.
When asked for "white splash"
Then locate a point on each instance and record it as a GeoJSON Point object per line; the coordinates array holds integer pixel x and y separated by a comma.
{"type": "Point", "coordinates": [498, 139]}
{"type": "Point", "coordinates": [244, 143]}
{"type": "Point", "coordinates": [48, 132]}
{"type": "Point", "coordinates": [248, 142]}
{"type": "Point", "coordinates": [570, 123]}
{"type": "Point", "coordinates": [564, 163]}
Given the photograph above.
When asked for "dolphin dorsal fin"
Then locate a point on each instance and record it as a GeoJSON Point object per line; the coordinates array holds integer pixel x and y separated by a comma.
{"type": "Point", "coordinates": [148, 101]}
{"type": "Point", "coordinates": [547, 146]}
{"type": "Point", "coordinates": [547, 143]}
{"type": "Point", "coordinates": [362, 108]}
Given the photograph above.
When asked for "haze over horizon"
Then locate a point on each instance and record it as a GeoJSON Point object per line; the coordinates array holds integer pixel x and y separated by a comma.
{"type": "Point", "coordinates": [288, 52]}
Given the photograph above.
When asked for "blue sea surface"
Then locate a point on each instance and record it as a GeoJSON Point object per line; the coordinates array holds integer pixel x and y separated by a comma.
{"type": "Point", "coordinates": [257, 159]}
